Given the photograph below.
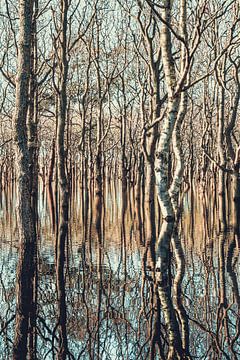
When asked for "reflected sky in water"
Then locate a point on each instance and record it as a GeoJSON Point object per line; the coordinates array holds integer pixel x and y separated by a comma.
{"type": "Point", "coordinates": [111, 304]}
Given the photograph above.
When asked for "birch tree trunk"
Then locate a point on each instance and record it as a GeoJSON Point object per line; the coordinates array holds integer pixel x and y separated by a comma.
{"type": "Point", "coordinates": [25, 270]}
{"type": "Point", "coordinates": [162, 182]}
{"type": "Point", "coordinates": [176, 138]}
{"type": "Point", "coordinates": [168, 196]}
{"type": "Point", "coordinates": [176, 187]}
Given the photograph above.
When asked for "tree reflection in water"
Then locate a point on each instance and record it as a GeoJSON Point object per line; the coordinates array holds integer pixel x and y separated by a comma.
{"type": "Point", "coordinates": [111, 291]}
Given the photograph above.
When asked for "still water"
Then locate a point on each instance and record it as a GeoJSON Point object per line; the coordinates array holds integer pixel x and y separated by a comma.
{"type": "Point", "coordinates": [112, 306]}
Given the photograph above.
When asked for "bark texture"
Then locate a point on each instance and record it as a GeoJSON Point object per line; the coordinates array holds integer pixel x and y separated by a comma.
{"type": "Point", "coordinates": [168, 195]}
{"type": "Point", "coordinates": [162, 182]}
{"type": "Point", "coordinates": [24, 288]}
{"type": "Point", "coordinates": [64, 193]}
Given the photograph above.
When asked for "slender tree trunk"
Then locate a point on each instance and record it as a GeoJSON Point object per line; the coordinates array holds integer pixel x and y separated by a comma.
{"type": "Point", "coordinates": [32, 123]}
{"type": "Point", "coordinates": [52, 164]}
{"type": "Point", "coordinates": [222, 157]}
{"type": "Point", "coordinates": [175, 188]}
{"type": "Point", "coordinates": [24, 288]}
{"type": "Point", "coordinates": [64, 191]}
{"type": "Point", "coordinates": [236, 193]}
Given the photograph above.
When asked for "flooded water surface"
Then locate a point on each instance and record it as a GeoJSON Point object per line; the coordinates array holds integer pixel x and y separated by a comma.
{"type": "Point", "coordinates": [113, 307]}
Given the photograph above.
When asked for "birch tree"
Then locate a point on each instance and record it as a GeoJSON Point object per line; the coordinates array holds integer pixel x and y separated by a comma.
{"type": "Point", "coordinates": [168, 192]}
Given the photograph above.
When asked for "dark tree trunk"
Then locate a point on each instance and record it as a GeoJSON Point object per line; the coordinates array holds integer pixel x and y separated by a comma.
{"type": "Point", "coordinates": [25, 270]}
{"type": "Point", "coordinates": [64, 191]}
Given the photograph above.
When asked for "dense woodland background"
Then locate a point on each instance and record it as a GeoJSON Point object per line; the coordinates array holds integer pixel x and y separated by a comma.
{"type": "Point", "coordinates": [142, 96]}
